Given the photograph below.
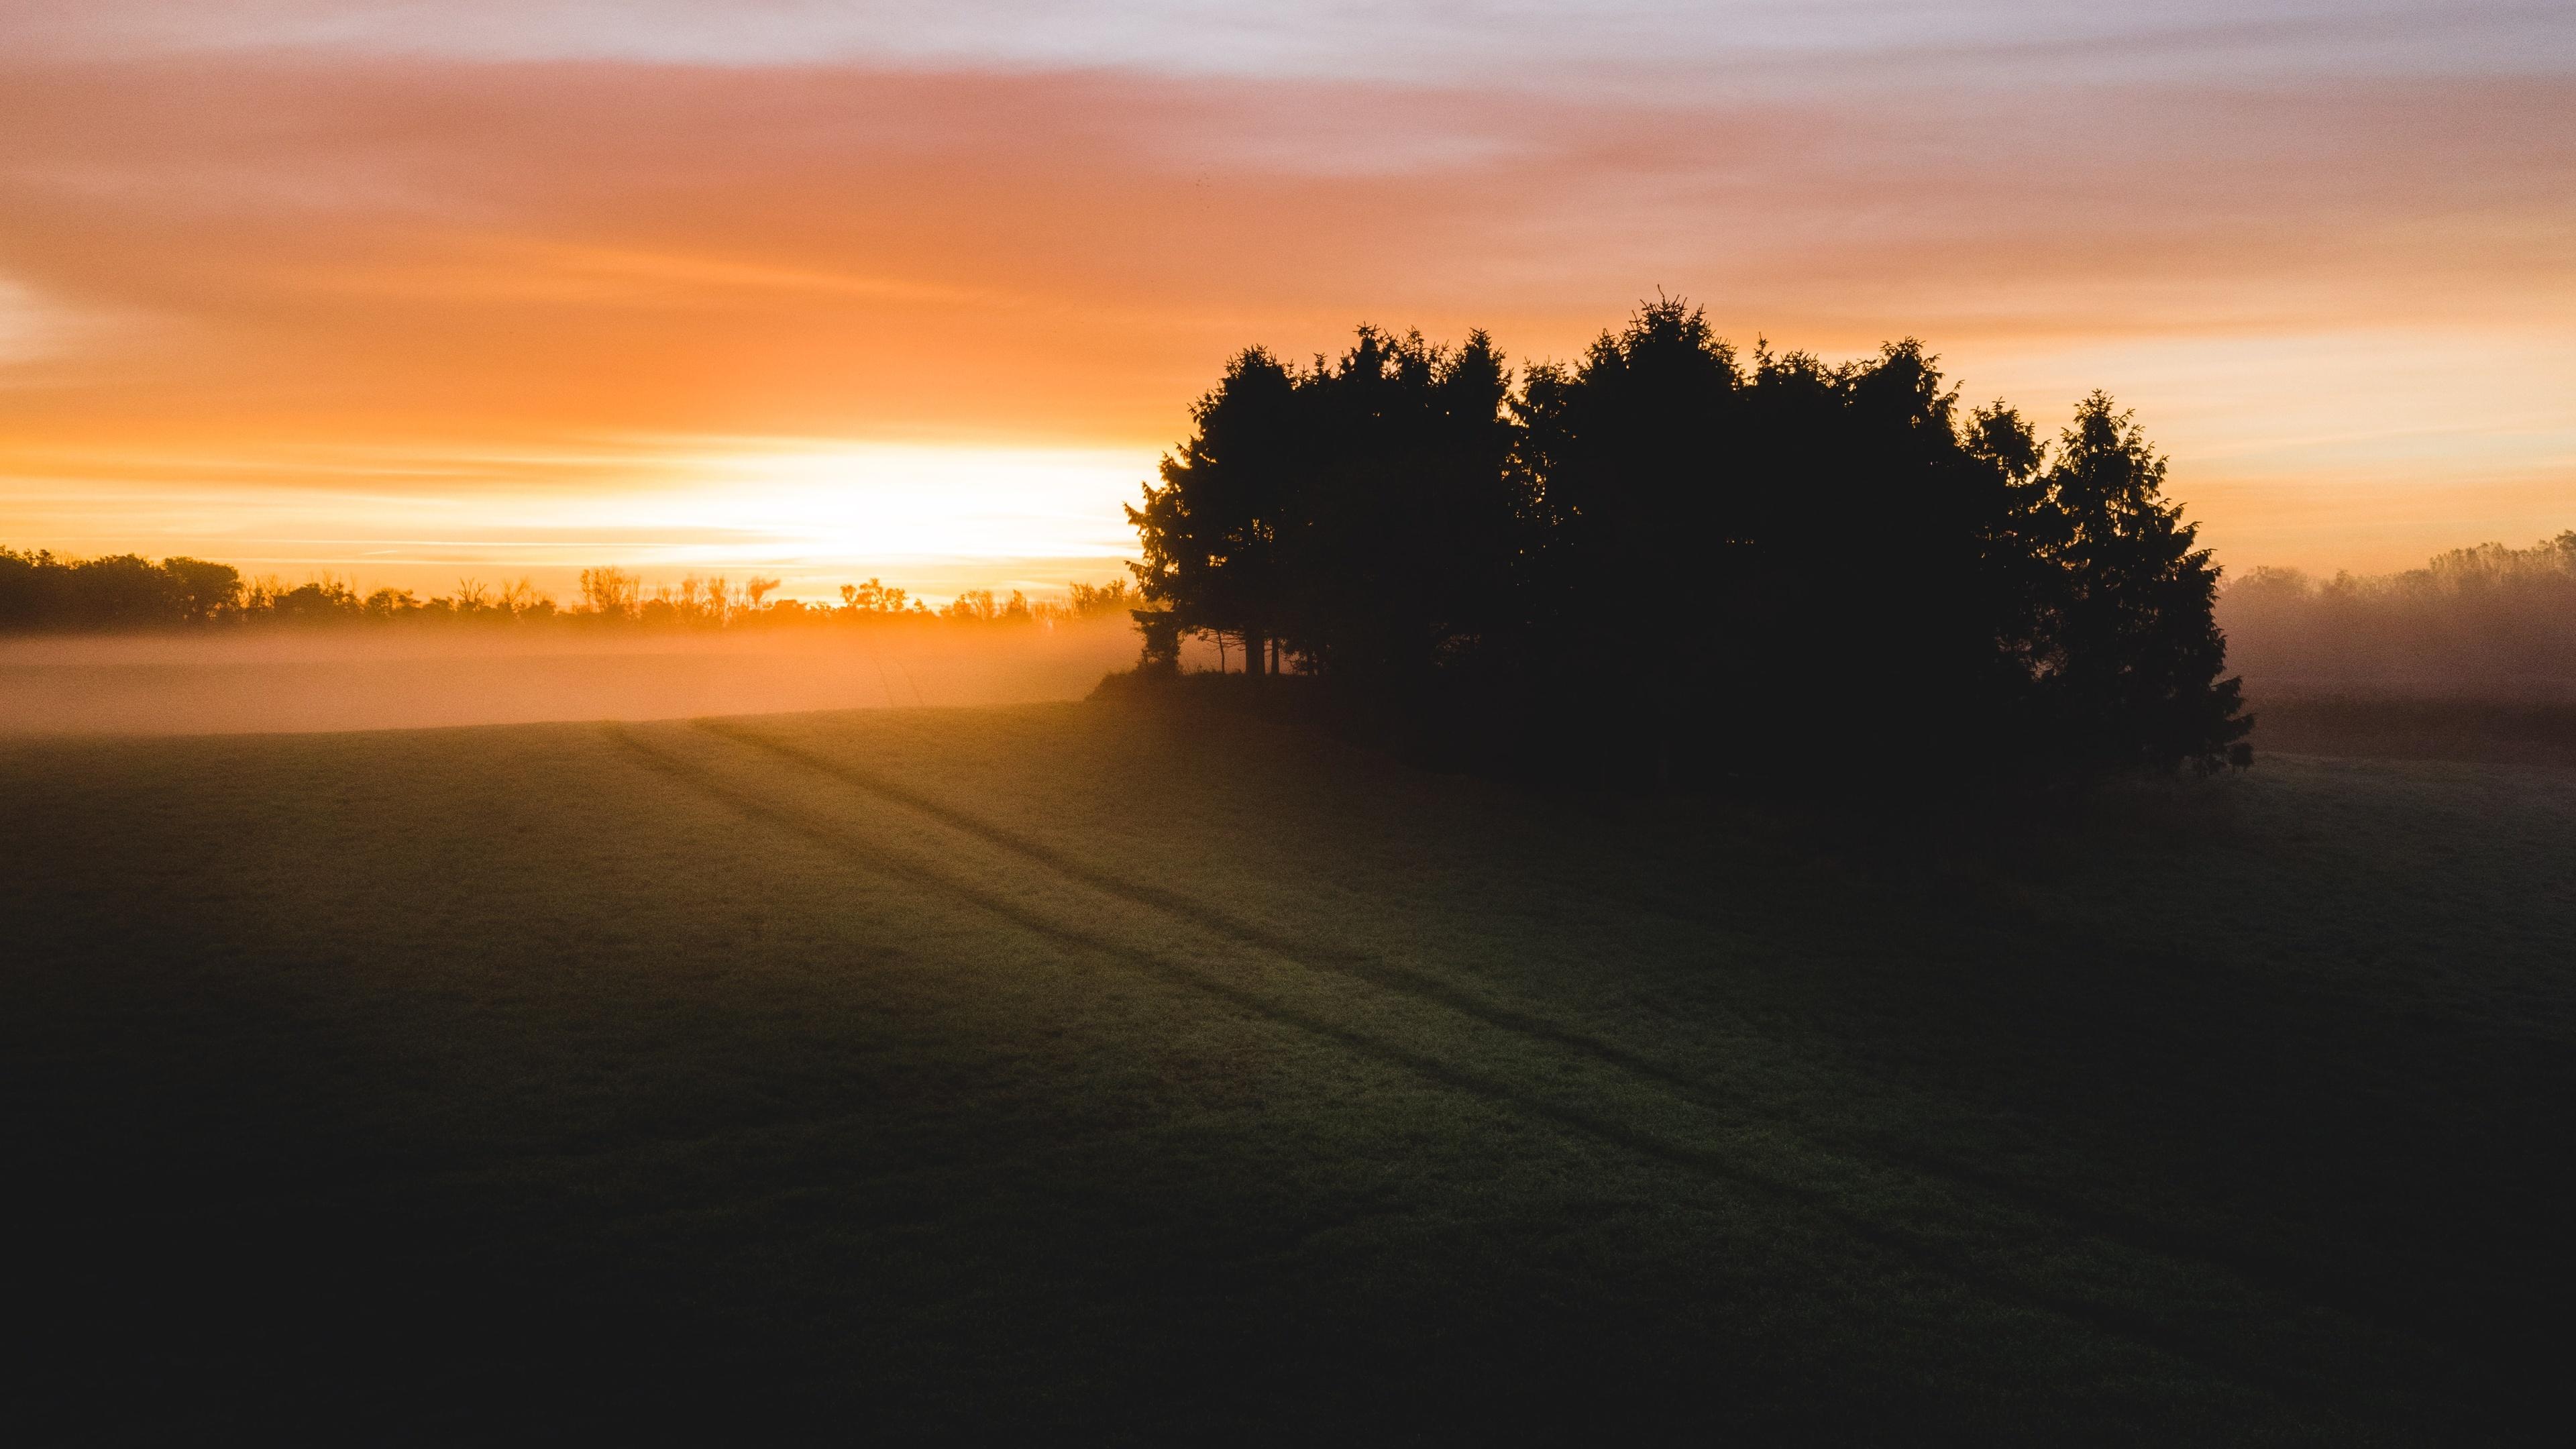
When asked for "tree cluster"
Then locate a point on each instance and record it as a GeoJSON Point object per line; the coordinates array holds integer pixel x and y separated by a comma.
{"type": "Point", "coordinates": [43, 592]}
{"type": "Point", "coordinates": [1674, 560]}
{"type": "Point", "coordinates": [2490, 622]}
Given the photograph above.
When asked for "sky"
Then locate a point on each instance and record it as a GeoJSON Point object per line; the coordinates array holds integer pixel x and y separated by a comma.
{"type": "Point", "coordinates": [412, 292]}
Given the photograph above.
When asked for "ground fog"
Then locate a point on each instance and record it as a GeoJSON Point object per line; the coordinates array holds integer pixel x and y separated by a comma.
{"type": "Point", "coordinates": [346, 679]}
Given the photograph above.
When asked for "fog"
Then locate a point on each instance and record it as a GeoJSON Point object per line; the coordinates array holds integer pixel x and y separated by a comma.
{"type": "Point", "coordinates": [397, 678]}
{"type": "Point", "coordinates": [2485, 623]}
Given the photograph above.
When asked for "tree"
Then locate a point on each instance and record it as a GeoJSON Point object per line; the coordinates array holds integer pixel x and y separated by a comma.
{"type": "Point", "coordinates": [1208, 535]}
{"type": "Point", "coordinates": [388, 604]}
{"type": "Point", "coordinates": [1093, 601]}
{"type": "Point", "coordinates": [1397, 548]}
{"type": "Point", "coordinates": [121, 591]}
{"type": "Point", "coordinates": [23, 580]}
{"type": "Point", "coordinates": [202, 592]}
{"type": "Point", "coordinates": [2131, 652]}
{"type": "Point", "coordinates": [322, 601]}
{"type": "Point", "coordinates": [1636, 489]}
{"type": "Point", "coordinates": [610, 593]}
{"type": "Point", "coordinates": [1809, 547]}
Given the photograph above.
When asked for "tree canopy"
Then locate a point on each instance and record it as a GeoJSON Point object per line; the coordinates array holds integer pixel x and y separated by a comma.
{"type": "Point", "coordinates": [1672, 557]}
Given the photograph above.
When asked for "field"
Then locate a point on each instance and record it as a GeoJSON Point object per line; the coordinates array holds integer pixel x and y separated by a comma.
{"type": "Point", "coordinates": [1071, 1070]}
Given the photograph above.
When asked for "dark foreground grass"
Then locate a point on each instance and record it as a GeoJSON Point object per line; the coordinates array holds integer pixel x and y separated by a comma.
{"type": "Point", "coordinates": [1074, 1072]}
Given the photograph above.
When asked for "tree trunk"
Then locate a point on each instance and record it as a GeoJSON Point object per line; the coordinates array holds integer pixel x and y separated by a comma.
{"type": "Point", "coordinates": [1252, 647]}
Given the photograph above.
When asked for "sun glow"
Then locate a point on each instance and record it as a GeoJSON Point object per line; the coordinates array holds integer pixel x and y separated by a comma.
{"type": "Point", "coordinates": [814, 512]}
{"type": "Point", "coordinates": [872, 501]}
{"type": "Point", "coordinates": [310, 286]}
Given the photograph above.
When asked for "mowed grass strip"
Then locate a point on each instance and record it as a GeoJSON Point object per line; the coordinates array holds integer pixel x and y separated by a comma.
{"type": "Point", "coordinates": [1013, 1070]}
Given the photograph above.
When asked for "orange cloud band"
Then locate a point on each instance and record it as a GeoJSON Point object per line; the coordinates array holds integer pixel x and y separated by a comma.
{"type": "Point", "coordinates": [246, 272]}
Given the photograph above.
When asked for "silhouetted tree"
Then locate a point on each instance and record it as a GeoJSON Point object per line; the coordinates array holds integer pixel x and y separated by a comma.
{"type": "Point", "coordinates": [1659, 560]}
{"type": "Point", "coordinates": [2131, 652]}
{"type": "Point", "coordinates": [121, 591]}
{"type": "Point", "coordinates": [202, 592]}
{"type": "Point", "coordinates": [611, 594]}
{"type": "Point", "coordinates": [1209, 534]}
{"type": "Point", "coordinates": [1641, 504]}
{"type": "Point", "coordinates": [1092, 601]}
{"type": "Point", "coordinates": [1397, 544]}
{"type": "Point", "coordinates": [319, 602]}
{"type": "Point", "coordinates": [41, 591]}
{"type": "Point", "coordinates": [1814, 544]}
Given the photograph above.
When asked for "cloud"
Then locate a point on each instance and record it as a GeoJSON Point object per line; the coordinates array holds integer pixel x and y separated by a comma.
{"type": "Point", "coordinates": [49, 343]}
{"type": "Point", "coordinates": [1672, 47]}
{"type": "Point", "coordinates": [28, 328]}
{"type": "Point", "coordinates": [465, 257]}
{"type": "Point", "coordinates": [425, 226]}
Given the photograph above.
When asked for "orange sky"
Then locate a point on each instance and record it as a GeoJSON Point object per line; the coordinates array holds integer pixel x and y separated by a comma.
{"type": "Point", "coordinates": [415, 292]}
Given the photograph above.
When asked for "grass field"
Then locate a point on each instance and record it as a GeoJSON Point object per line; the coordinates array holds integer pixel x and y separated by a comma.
{"type": "Point", "coordinates": [1067, 1070]}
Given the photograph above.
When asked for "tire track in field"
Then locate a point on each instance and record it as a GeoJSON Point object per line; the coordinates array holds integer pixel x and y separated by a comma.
{"type": "Point", "coordinates": [1949, 1259]}
{"type": "Point", "coordinates": [2291, 1280]}
{"type": "Point", "coordinates": [1376, 972]}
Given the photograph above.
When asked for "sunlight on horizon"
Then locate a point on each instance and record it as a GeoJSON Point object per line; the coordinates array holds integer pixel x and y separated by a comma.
{"type": "Point", "coordinates": [527, 286]}
{"type": "Point", "coordinates": [844, 500]}
{"type": "Point", "coordinates": [815, 512]}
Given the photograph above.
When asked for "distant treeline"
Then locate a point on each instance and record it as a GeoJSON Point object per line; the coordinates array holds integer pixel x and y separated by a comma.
{"type": "Point", "coordinates": [42, 592]}
{"type": "Point", "coordinates": [1672, 560]}
{"type": "Point", "coordinates": [2489, 622]}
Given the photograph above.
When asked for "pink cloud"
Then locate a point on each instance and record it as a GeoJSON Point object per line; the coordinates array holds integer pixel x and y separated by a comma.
{"type": "Point", "coordinates": [368, 249]}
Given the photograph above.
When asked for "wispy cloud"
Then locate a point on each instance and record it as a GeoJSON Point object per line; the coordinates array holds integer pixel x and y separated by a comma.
{"type": "Point", "coordinates": [489, 232]}
{"type": "Point", "coordinates": [1670, 45]}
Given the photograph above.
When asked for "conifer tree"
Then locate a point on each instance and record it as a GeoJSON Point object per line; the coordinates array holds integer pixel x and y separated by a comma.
{"type": "Point", "coordinates": [2131, 653]}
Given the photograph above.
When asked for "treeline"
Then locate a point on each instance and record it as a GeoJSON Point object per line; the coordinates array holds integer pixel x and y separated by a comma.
{"type": "Point", "coordinates": [41, 592]}
{"type": "Point", "coordinates": [1675, 561]}
{"type": "Point", "coordinates": [2489, 622]}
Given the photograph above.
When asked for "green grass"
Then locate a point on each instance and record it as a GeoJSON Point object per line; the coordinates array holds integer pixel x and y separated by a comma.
{"type": "Point", "coordinates": [1072, 1071]}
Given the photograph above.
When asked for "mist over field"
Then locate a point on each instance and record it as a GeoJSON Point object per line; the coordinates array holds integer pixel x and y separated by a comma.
{"type": "Point", "coordinates": [2490, 623]}
{"type": "Point", "coordinates": [356, 679]}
